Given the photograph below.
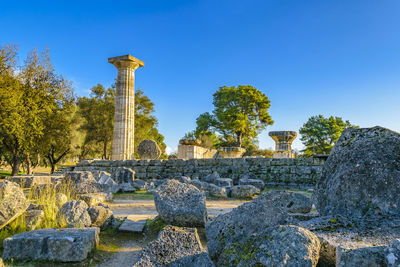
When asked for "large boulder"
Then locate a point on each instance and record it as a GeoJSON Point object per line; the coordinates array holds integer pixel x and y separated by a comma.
{"type": "Point", "coordinates": [100, 216]}
{"type": "Point", "coordinates": [12, 202]}
{"type": "Point", "coordinates": [269, 209]}
{"type": "Point", "coordinates": [173, 243]}
{"type": "Point", "coordinates": [244, 191]}
{"type": "Point", "coordinates": [59, 245]}
{"type": "Point", "coordinates": [73, 214]}
{"type": "Point", "coordinates": [361, 176]}
{"type": "Point", "coordinates": [181, 204]}
{"type": "Point", "coordinates": [255, 182]}
{"type": "Point", "coordinates": [393, 254]}
{"type": "Point", "coordinates": [148, 149]}
{"type": "Point", "coordinates": [211, 190]}
{"type": "Point", "coordinates": [211, 177]}
{"type": "Point", "coordinates": [284, 245]}
{"type": "Point", "coordinates": [83, 182]}
{"type": "Point", "coordinates": [124, 177]}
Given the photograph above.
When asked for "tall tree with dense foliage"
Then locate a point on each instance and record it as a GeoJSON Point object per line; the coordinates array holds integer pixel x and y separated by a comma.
{"type": "Point", "coordinates": [320, 134]}
{"type": "Point", "coordinates": [98, 113]}
{"type": "Point", "coordinates": [239, 113]}
{"type": "Point", "coordinates": [28, 95]}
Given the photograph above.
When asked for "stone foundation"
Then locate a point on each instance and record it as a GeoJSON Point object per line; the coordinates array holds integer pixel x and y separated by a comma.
{"type": "Point", "coordinates": [299, 172]}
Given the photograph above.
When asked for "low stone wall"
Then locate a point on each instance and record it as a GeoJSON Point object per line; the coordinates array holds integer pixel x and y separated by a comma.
{"type": "Point", "coordinates": [299, 172]}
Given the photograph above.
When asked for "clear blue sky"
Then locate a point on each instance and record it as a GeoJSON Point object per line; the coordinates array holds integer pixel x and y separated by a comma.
{"type": "Point", "coordinates": [330, 57]}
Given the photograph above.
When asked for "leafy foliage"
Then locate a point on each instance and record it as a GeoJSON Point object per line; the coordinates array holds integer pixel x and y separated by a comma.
{"type": "Point", "coordinates": [239, 115]}
{"type": "Point", "coordinates": [29, 95]}
{"type": "Point", "coordinates": [320, 134]}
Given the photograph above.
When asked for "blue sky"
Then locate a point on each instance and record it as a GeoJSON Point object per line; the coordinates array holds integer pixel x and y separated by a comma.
{"type": "Point", "coordinates": [331, 57]}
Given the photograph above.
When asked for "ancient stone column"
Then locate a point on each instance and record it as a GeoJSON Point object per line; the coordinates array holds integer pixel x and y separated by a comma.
{"type": "Point", "coordinates": [283, 143]}
{"type": "Point", "coordinates": [124, 116]}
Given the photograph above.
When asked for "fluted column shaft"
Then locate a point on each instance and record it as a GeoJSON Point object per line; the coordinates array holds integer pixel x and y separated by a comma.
{"type": "Point", "coordinates": [124, 116]}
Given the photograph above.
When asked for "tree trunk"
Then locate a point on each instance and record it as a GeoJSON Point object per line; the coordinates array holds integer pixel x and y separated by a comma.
{"type": "Point", "coordinates": [28, 164]}
{"type": "Point", "coordinates": [52, 168]}
{"type": "Point", "coordinates": [105, 150]}
{"type": "Point", "coordinates": [15, 166]}
{"type": "Point", "coordinates": [239, 139]}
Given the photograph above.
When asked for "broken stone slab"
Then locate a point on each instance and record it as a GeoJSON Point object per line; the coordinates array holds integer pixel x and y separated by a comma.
{"type": "Point", "coordinates": [124, 177]}
{"type": "Point", "coordinates": [244, 191]}
{"type": "Point", "coordinates": [366, 256]}
{"type": "Point", "coordinates": [347, 239]}
{"type": "Point", "coordinates": [74, 214]}
{"type": "Point", "coordinates": [92, 199]}
{"type": "Point", "coordinates": [33, 218]}
{"type": "Point", "coordinates": [255, 182]}
{"type": "Point", "coordinates": [79, 176]}
{"type": "Point", "coordinates": [100, 216]}
{"type": "Point", "coordinates": [211, 177]}
{"type": "Point", "coordinates": [284, 245]}
{"type": "Point", "coordinates": [223, 182]}
{"type": "Point", "coordinates": [173, 243]}
{"type": "Point", "coordinates": [12, 202]}
{"type": "Point", "coordinates": [180, 204]}
{"type": "Point", "coordinates": [59, 245]}
{"type": "Point", "coordinates": [29, 181]}
{"type": "Point", "coordinates": [132, 224]}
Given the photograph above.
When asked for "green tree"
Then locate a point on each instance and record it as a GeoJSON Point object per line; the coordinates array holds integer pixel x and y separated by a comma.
{"type": "Point", "coordinates": [98, 113]}
{"type": "Point", "coordinates": [97, 126]}
{"type": "Point", "coordinates": [320, 134]}
{"type": "Point", "coordinates": [239, 113]}
{"type": "Point", "coordinates": [28, 94]}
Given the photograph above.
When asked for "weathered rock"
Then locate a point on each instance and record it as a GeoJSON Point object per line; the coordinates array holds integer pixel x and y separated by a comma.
{"type": "Point", "coordinates": [173, 243]}
{"type": "Point", "coordinates": [29, 181]}
{"type": "Point", "coordinates": [79, 176]}
{"type": "Point", "coordinates": [61, 199]}
{"type": "Point", "coordinates": [181, 204]}
{"type": "Point", "coordinates": [223, 182]}
{"type": "Point", "coordinates": [12, 202]}
{"type": "Point", "coordinates": [73, 214]}
{"type": "Point", "coordinates": [124, 177]}
{"type": "Point", "coordinates": [270, 209]}
{"type": "Point", "coordinates": [211, 177]}
{"type": "Point", "coordinates": [254, 182]}
{"type": "Point", "coordinates": [59, 245]}
{"type": "Point", "coordinates": [183, 179]}
{"type": "Point", "coordinates": [88, 187]}
{"type": "Point", "coordinates": [33, 218]}
{"type": "Point", "coordinates": [197, 260]}
{"type": "Point", "coordinates": [350, 238]}
{"type": "Point", "coordinates": [107, 184]}
{"type": "Point", "coordinates": [92, 199]}
{"type": "Point", "coordinates": [100, 216]}
{"type": "Point", "coordinates": [148, 149]}
{"type": "Point", "coordinates": [361, 176]}
{"type": "Point", "coordinates": [211, 190]}
{"type": "Point", "coordinates": [392, 253]}
{"type": "Point", "coordinates": [367, 256]}
{"type": "Point", "coordinates": [284, 245]}
{"type": "Point", "coordinates": [244, 191]}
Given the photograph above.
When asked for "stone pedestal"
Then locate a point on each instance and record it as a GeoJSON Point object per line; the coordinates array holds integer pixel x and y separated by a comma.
{"type": "Point", "coordinates": [124, 116]}
{"type": "Point", "coordinates": [283, 143]}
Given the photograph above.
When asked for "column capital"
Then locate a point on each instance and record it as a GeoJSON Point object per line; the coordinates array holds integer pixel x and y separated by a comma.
{"type": "Point", "coordinates": [126, 61]}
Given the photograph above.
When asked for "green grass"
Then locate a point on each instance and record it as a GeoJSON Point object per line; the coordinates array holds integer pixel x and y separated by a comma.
{"type": "Point", "coordinates": [46, 197]}
{"type": "Point", "coordinates": [304, 192]}
{"type": "Point", "coordinates": [137, 195]}
{"type": "Point", "coordinates": [8, 173]}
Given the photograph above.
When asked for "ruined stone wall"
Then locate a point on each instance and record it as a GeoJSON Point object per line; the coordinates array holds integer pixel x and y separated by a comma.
{"type": "Point", "coordinates": [299, 172]}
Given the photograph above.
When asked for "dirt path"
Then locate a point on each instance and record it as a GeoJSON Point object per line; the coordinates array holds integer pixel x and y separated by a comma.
{"type": "Point", "coordinates": [124, 256]}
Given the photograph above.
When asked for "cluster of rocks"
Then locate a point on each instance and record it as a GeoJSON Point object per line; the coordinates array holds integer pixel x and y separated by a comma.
{"type": "Point", "coordinates": [357, 225]}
